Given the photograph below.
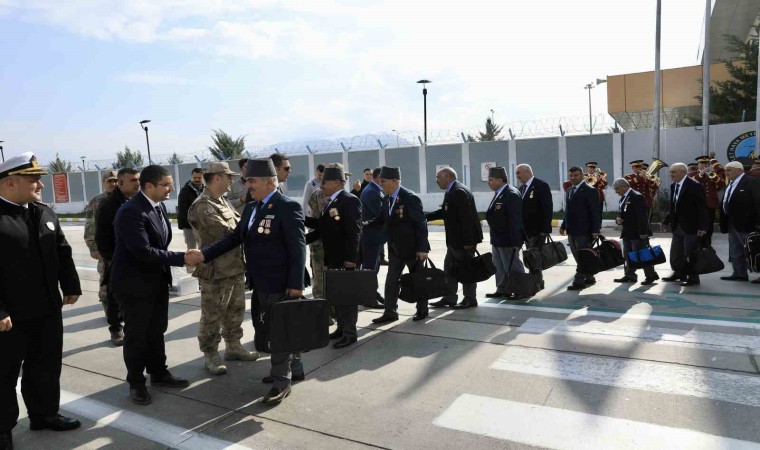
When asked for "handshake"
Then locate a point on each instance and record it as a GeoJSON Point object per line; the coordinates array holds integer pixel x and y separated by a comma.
{"type": "Point", "coordinates": [193, 257]}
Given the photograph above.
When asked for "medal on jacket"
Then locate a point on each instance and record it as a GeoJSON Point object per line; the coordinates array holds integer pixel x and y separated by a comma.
{"type": "Point", "coordinates": [498, 206]}
{"type": "Point", "coordinates": [50, 226]}
{"type": "Point", "coordinates": [260, 230]}
{"type": "Point", "coordinates": [531, 194]}
{"type": "Point", "coordinates": [401, 211]}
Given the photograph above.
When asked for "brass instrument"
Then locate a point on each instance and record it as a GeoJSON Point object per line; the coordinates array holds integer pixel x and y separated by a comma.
{"type": "Point", "coordinates": [655, 167]}
{"type": "Point", "coordinates": [592, 178]}
{"type": "Point", "coordinates": [709, 172]}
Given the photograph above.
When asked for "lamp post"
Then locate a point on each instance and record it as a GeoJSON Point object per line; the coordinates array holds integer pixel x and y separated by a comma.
{"type": "Point", "coordinates": [396, 131]}
{"type": "Point", "coordinates": [589, 87]}
{"type": "Point", "coordinates": [424, 101]}
{"type": "Point", "coordinates": [147, 141]}
{"type": "Point", "coordinates": [1, 151]}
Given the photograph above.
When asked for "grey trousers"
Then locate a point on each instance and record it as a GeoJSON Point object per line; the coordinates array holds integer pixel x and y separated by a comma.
{"type": "Point", "coordinates": [681, 247]}
{"type": "Point", "coordinates": [501, 260]}
{"type": "Point", "coordinates": [577, 243]}
{"type": "Point", "coordinates": [631, 245]}
{"type": "Point", "coordinates": [284, 365]}
{"type": "Point", "coordinates": [453, 257]}
{"type": "Point", "coordinates": [736, 251]}
{"type": "Point", "coordinates": [395, 268]}
{"type": "Point", "coordinates": [189, 238]}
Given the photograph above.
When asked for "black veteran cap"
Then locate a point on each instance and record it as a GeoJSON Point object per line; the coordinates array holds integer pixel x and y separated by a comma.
{"type": "Point", "coordinates": [334, 173]}
{"type": "Point", "coordinates": [497, 172]}
{"type": "Point", "coordinates": [23, 164]}
{"type": "Point", "coordinates": [260, 168]}
{"type": "Point", "coordinates": [390, 173]}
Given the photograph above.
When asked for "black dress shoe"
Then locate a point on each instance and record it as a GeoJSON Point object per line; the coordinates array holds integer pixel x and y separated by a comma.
{"type": "Point", "coordinates": [344, 342]}
{"type": "Point", "coordinates": [624, 280]}
{"type": "Point", "coordinates": [673, 277]}
{"type": "Point", "coordinates": [466, 303]}
{"type": "Point", "coordinates": [269, 380]}
{"type": "Point", "coordinates": [385, 318]}
{"type": "Point", "coordinates": [690, 283]}
{"type": "Point", "coordinates": [55, 423]}
{"type": "Point", "coordinates": [576, 287]}
{"type": "Point", "coordinates": [590, 282]}
{"type": "Point", "coordinates": [140, 395]}
{"type": "Point", "coordinates": [6, 440]}
{"type": "Point", "coordinates": [420, 315]}
{"type": "Point", "coordinates": [497, 295]}
{"type": "Point", "coordinates": [443, 303]}
{"type": "Point", "coordinates": [337, 334]}
{"type": "Point", "coordinates": [275, 395]}
{"type": "Point", "coordinates": [169, 380]}
{"type": "Point", "coordinates": [735, 278]}
{"type": "Point", "coordinates": [648, 281]}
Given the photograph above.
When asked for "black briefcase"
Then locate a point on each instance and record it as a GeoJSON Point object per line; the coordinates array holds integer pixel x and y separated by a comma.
{"type": "Point", "coordinates": [298, 325]}
{"type": "Point", "coordinates": [480, 268]}
{"type": "Point", "coordinates": [350, 287]}
{"type": "Point", "coordinates": [425, 282]}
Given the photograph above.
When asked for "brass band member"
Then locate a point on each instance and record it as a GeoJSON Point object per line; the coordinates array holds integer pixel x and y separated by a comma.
{"type": "Point", "coordinates": [639, 181]}
{"type": "Point", "coordinates": [712, 178]}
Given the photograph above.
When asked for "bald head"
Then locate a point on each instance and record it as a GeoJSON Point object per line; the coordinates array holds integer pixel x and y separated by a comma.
{"type": "Point", "coordinates": [523, 172]}
{"type": "Point", "coordinates": [445, 176]}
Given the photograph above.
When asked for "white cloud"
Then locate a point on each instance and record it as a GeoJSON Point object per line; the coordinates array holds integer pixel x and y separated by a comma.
{"type": "Point", "coordinates": [154, 78]}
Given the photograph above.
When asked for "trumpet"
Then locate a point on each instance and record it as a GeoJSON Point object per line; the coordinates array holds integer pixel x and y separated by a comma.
{"type": "Point", "coordinates": [592, 178]}
{"type": "Point", "coordinates": [709, 172]}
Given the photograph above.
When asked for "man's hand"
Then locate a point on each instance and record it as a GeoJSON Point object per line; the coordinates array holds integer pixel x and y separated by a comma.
{"type": "Point", "coordinates": [711, 155]}
{"type": "Point", "coordinates": [70, 299]}
{"type": "Point", "coordinates": [94, 254]}
{"type": "Point", "coordinates": [349, 265]}
{"type": "Point", "coordinates": [357, 185]}
{"type": "Point", "coordinates": [644, 237]}
{"type": "Point", "coordinates": [294, 293]}
{"type": "Point", "coordinates": [5, 324]}
{"type": "Point", "coordinates": [665, 228]}
{"type": "Point", "coordinates": [701, 233]}
{"type": "Point", "coordinates": [422, 256]}
{"type": "Point", "coordinates": [242, 198]}
{"type": "Point", "coordinates": [596, 235]}
{"type": "Point", "coordinates": [562, 232]}
{"type": "Point", "coordinates": [193, 257]}
{"type": "Point", "coordinates": [618, 221]}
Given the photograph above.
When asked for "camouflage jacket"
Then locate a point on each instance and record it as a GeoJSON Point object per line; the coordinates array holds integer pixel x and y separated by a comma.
{"type": "Point", "coordinates": [90, 213]}
{"type": "Point", "coordinates": [212, 219]}
{"type": "Point", "coordinates": [317, 203]}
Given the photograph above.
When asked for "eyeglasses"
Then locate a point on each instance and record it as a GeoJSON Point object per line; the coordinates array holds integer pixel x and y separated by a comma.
{"type": "Point", "coordinates": [286, 169]}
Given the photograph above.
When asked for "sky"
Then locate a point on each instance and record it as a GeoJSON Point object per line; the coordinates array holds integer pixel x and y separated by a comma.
{"type": "Point", "coordinates": [78, 75]}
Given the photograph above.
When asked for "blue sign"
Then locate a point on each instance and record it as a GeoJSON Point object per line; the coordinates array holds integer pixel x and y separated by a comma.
{"type": "Point", "coordinates": [742, 148]}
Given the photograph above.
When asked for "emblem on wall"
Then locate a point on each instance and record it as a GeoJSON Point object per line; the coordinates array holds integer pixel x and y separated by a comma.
{"type": "Point", "coordinates": [743, 148]}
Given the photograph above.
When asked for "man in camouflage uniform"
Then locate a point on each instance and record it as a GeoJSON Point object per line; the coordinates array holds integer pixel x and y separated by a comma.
{"type": "Point", "coordinates": [109, 184]}
{"type": "Point", "coordinates": [316, 203]}
{"type": "Point", "coordinates": [712, 177]}
{"type": "Point", "coordinates": [212, 217]}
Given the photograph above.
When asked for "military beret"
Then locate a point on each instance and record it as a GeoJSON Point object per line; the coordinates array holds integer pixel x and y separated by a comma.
{"type": "Point", "coordinates": [390, 173]}
{"type": "Point", "coordinates": [260, 168]}
{"type": "Point", "coordinates": [23, 164]}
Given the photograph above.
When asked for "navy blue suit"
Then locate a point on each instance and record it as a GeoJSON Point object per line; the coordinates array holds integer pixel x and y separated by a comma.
{"type": "Point", "coordinates": [373, 234]}
{"type": "Point", "coordinates": [582, 217]}
{"type": "Point", "coordinates": [140, 278]}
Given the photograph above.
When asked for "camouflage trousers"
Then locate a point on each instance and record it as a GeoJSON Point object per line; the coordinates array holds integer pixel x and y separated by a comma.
{"type": "Point", "coordinates": [103, 291]}
{"type": "Point", "coordinates": [317, 270]}
{"type": "Point", "coordinates": [222, 312]}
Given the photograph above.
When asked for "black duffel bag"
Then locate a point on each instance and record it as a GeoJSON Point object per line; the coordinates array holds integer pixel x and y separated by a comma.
{"type": "Point", "coordinates": [423, 283]}
{"type": "Point", "coordinates": [520, 285]}
{"type": "Point", "coordinates": [704, 260]}
{"type": "Point", "coordinates": [544, 256]}
{"type": "Point", "coordinates": [480, 268]}
{"type": "Point", "coordinates": [610, 252]}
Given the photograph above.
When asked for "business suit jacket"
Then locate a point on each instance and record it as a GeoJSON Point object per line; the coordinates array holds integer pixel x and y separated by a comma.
{"type": "Point", "coordinates": [537, 208]}
{"type": "Point", "coordinates": [30, 278]}
{"type": "Point", "coordinates": [691, 211]}
{"type": "Point", "coordinates": [505, 220]}
{"type": "Point", "coordinates": [275, 261]}
{"type": "Point", "coordinates": [105, 238]}
{"type": "Point", "coordinates": [634, 213]}
{"type": "Point", "coordinates": [141, 260]}
{"type": "Point", "coordinates": [405, 225]}
{"type": "Point", "coordinates": [339, 227]}
{"type": "Point", "coordinates": [187, 195]}
{"type": "Point", "coordinates": [743, 206]}
{"type": "Point", "coordinates": [582, 214]}
{"type": "Point", "coordinates": [372, 211]}
{"type": "Point", "coordinates": [460, 217]}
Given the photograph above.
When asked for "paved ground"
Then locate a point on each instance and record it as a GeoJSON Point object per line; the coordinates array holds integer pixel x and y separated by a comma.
{"type": "Point", "coordinates": [611, 367]}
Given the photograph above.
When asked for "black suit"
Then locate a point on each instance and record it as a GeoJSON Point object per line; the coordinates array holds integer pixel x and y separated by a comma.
{"type": "Point", "coordinates": [38, 260]}
{"type": "Point", "coordinates": [739, 216]}
{"type": "Point", "coordinates": [505, 221]}
{"type": "Point", "coordinates": [687, 216]}
{"type": "Point", "coordinates": [339, 228]}
{"type": "Point", "coordinates": [581, 220]}
{"type": "Point", "coordinates": [105, 239]}
{"type": "Point", "coordinates": [463, 229]}
{"type": "Point", "coordinates": [140, 278]}
{"type": "Point", "coordinates": [635, 216]}
{"type": "Point", "coordinates": [537, 209]}
{"type": "Point", "coordinates": [373, 234]}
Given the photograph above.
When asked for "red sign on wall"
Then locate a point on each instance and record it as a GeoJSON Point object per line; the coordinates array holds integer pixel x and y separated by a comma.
{"type": "Point", "coordinates": [61, 187]}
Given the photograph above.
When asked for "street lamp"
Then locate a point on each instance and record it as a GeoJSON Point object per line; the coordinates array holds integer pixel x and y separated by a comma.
{"type": "Point", "coordinates": [395, 131]}
{"type": "Point", "coordinates": [589, 87]}
{"type": "Point", "coordinates": [424, 100]}
{"type": "Point", "coordinates": [1, 151]}
{"type": "Point", "coordinates": [147, 141]}
{"type": "Point", "coordinates": [84, 167]}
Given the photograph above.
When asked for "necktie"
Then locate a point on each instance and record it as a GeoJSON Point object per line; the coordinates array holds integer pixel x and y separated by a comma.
{"type": "Point", "coordinates": [163, 222]}
{"type": "Point", "coordinates": [572, 192]}
{"type": "Point", "coordinates": [727, 197]}
{"type": "Point", "coordinates": [256, 208]}
{"type": "Point", "coordinates": [675, 196]}
{"type": "Point", "coordinates": [495, 194]}
{"type": "Point", "coordinates": [522, 190]}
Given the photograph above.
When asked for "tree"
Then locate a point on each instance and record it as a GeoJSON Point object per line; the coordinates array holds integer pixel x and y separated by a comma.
{"type": "Point", "coordinates": [730, 98]}
{"type": "Point", "coordinates": [175, 159]}
{"type": "Point", "coordinates": [225, 147]}
{"type": "Point", "coordinates": [492, 131]}
{"type": "Point", "coordinates": [59, 165]}
{"type": "Point", "coordinates": [128, 158]}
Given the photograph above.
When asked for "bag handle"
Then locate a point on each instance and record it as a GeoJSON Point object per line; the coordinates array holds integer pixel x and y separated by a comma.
{"type": "Point", "coordinates": [512, 260]}
{"type": "Point", "coordinates": [426, 263]}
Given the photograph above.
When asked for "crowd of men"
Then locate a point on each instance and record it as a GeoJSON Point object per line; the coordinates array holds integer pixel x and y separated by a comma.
{"type": "Point", "coordinates": [240, 226]}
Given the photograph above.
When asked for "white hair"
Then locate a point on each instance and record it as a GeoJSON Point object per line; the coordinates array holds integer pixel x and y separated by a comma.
{"type": "Point", "coordinates": [620, 182]}
{"type": "Point", "coordinates": [524, 166]}
{"type": "Point", "coordinates": [680, 166]}
{"type": "Point", "coordinates": [735, 165]}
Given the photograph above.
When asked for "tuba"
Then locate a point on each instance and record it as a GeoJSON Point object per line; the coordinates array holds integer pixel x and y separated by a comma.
{"type": "Point", "coordinates": [655, 167]}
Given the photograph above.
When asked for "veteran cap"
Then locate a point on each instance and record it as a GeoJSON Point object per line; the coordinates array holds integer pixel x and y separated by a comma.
{"type": "Point", "coordinates": [23, 164]}
{"type": "Point", "coordinates": [110, 175]}
{"type": "Point", "coordinates": [261, 168]}
{"type": "Point", "coordinates": [334, 173]}
{"type": "Point", "coordinates": [390, 173]}
{"type": "Point", "coordinates": [220, 167]}
{"type": "Point", "coordinates": [497, 172]}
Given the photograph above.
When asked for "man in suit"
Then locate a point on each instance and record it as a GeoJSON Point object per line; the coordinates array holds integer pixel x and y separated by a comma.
{"type": "Point", "coordinates": [537, 207]}
{"type": "Point", "coordinates": [463, 234]}
{"type": "Point", "coordinates": [581, 223]}
{"type": "Point", "coordinates": [359, 186]}
{"type": "Point", "coordinates": [140, 279]}
{"type": "Point", "coordinates": [272, 232]}
{"type": "Point", "coordinates": [373, 234]}
{"type": "Point", "coordinates": [36, 262]}
{"type": "Point", "coordinates": [633, 216]}
{"type": "Point", "coordinates": [505, 223]}
{"type": "Point", "coordinates": [187, 195]}
{"type": "Point", "coordinates": [127, 185]}
{"type": "Point", "coordinates": [688, 222]}
{"type": "Point", "coordinates": [339, 228]}
{"type": "Point", "coordinates": [406, 227]}
{"type": "Point", "coordinates": [739, 216]}
{"type": "Point", "coordinates": [282, 164]}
